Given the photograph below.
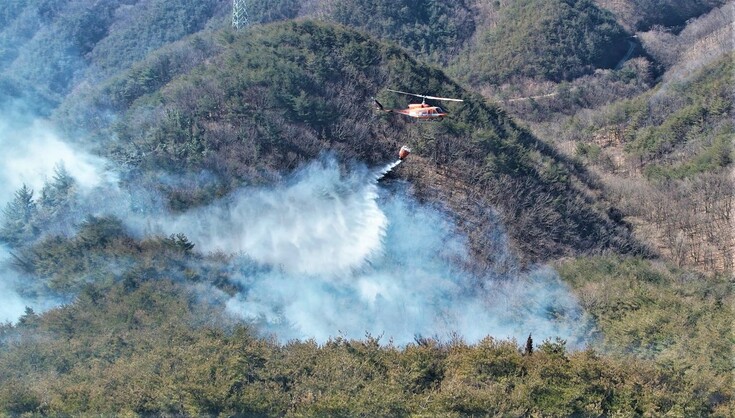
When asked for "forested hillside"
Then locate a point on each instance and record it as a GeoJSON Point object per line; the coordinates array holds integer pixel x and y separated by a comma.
{"type": "Point", "coordinates": [664, 153]}
{"type": "Point", "coordinates": [198, 220]}
{"type": "Point", "coordinates": [544, 40]}
{"type": "Point", "coordinates": [490, 42]}
{"type": "Point", "coordinates": [225, 117]}
{"type": "Point", "coordinates": [50, 46]}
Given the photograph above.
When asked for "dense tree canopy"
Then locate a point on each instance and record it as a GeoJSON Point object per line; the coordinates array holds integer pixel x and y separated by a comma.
{"type": "Point", "coordinates": [433, 29]}
{"type": "Point", "coordinates": [551, 40]}
{"type": "Point", "coordinates": [53, 44]}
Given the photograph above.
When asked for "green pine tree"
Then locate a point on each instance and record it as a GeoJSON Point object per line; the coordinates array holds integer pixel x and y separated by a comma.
{"type": "Point", "coordinates": [18, 225]}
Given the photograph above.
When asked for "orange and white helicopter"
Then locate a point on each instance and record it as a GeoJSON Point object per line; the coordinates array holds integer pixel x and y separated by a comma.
{"type": "Point", "coordinates": [421, 111]}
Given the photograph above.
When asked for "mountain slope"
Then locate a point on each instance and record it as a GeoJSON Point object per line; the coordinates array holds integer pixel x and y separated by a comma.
{"type": "Point", "coordinates": [273, 98]}
{"type": "Point", "coordinates": [545, 40]}
{"type": "Point", "coordinates": [50, 46]}
{"type": "Point", "coordinates": [664, 152]}
{"type": "Point", "coordinates": [639, 15]}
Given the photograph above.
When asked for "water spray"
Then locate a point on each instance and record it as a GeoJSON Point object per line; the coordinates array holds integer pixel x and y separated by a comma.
{"type": "Point", "coordinates": [402, 154]}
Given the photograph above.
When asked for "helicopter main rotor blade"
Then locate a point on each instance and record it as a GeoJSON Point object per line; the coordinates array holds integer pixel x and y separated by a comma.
{"type": "Point", "coordinates": [425, 96]}
{"type": "Point", "coordinates": [443, 98]}
{"type": "Point", "coordinates": [403, 92]}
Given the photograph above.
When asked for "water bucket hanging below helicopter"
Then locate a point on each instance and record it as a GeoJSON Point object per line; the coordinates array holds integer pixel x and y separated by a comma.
{"type": "Point", "coordinates": [403, 152]}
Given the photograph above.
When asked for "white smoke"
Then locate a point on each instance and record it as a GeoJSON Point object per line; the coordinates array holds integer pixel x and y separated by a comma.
{"type": "Point", "coordinates": [303, 227]}
{"type": "Point", "coordinates": [12, 305]}
{"type": "Point", "coordinates": [337, 255]}
{"type": "Point", "coordinates": [17, 292]}
{"type": "Point", "coordinates": [30, 152]}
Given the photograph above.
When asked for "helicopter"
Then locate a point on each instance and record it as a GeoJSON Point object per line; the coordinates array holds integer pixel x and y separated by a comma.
{"type": "Point", "coordinates": [421, 111]}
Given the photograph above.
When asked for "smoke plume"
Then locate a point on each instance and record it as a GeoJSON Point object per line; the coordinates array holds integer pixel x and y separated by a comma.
{"type": "Point", "coordinates": [12, 305]}
{"type": "Point", "coordinates": [332, 253]}
{"type": "Point", "coordinates": [318, 224]}
{"type": "Point", "coordinates": [31, 150]}
{"type": "Point", "coordinates": [31, 153]}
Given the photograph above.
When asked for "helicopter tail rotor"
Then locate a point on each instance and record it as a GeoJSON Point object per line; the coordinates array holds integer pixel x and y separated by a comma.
{"type": "Point", "coordinates": [379, 106]}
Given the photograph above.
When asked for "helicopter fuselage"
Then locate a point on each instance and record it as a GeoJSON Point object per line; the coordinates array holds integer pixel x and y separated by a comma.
{"type": "Point", "coordinates": [423, 111]}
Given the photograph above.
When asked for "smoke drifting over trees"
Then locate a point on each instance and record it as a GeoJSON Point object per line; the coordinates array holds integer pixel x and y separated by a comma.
{"type": "Point", "coordinates": [338, 255]}
{"type": "Point", "coordinates": [199, 221]}
{"type": "Point", "coordinates": [330, 253]}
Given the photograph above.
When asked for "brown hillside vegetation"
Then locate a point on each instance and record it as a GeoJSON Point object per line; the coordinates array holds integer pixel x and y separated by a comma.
{"type": "Point", "coordinates": [685, 205]}
{"type": "Point", "coordinates": [638, 15]}
{"type": "Point", "coordinates": [702, 40]}
{"type": "Point", "coordinates": [665, 155]}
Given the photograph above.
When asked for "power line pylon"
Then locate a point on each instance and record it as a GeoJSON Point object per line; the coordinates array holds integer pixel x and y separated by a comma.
{"type": "Point", "coordinates": [239, 14]}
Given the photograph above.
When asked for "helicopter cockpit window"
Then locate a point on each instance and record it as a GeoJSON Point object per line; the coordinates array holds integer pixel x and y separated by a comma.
{"type": "Point", "coordinates": [439, 110]}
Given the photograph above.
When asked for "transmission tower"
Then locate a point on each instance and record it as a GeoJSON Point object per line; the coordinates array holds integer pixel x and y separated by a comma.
{"type": "Point", "coordinates": [239, 14]}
